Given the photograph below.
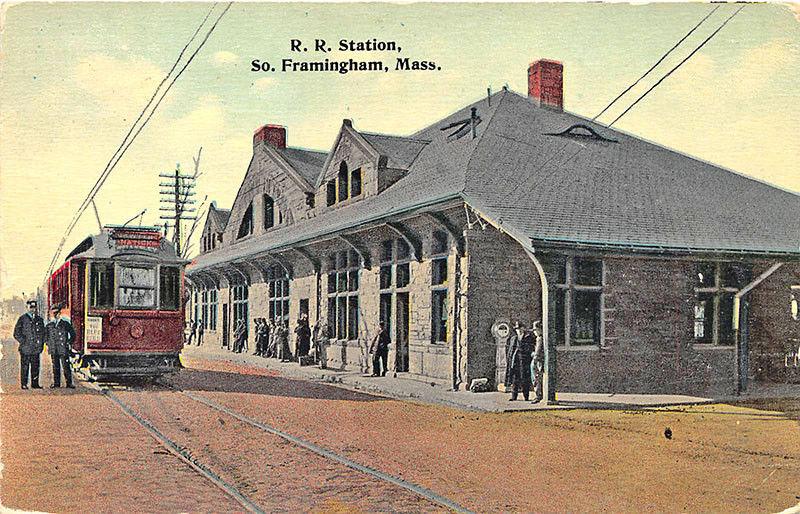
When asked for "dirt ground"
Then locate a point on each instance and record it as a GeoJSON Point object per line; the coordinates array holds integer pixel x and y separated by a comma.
{"type": "Point", "coordinates": [720, 458]}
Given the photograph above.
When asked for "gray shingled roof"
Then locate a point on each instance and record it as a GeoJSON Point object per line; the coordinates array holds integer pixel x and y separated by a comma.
{"type": "Point", "coordinates": [308, 163]}
{"type": "Point", "coordinates": [556, 188]}
{"type": "Point", "coordinates": [625, 193]}
{"type": "Point", "coordinates": [219, 217]}
{"type": "Point", "coordinates": [401, 151]}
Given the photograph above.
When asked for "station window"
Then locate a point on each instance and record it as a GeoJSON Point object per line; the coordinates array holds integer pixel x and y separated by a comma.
{"type": "Point", "coordinates": [331, 193]}
{"type": "Point", "coordinates": [269, 212]}
{"type": "Point", "coordinates": [278, 280]}
{"type": "Point", "coordinates": [241, 293]}
{"type": "Point", "coordinates": [343, 182]}
{"type": "Point", "coordinates": [246, 226]}
{"type": "Point", "coordinates": [577, 300]}
{"type": "Point", "coordinates": [395, 271]}
{"type": "Point", "coordinates": [439, 287]}
{"type": "Point", "coordinates": [716, 285]}
{"type": "Point", "coordinates": [343, 286]}
{"type": "Point", "coordinates": [101, 285]}
{"type": "Point", "coordinates": [137, 287]}
{"type": "Point", "coordinates": [355, 182]}
{"type": "Point", "coordinates": [204, 309]}
{"type": "Point", "coordinates": [170, 288]}
{"type": "Point", "coordinates": [212, 309]}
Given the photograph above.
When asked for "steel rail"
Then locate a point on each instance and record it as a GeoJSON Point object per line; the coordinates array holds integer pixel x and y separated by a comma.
{"type": "Point", "coordinates": [181, 453]}
{"type": "Point", "coordinates": [328, 454]}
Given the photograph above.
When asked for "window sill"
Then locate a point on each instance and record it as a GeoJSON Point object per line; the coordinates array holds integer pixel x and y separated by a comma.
{"type": "Point", "coordinates": [714, 347]}
{"type": "Point", "coordinates": [581, 348]}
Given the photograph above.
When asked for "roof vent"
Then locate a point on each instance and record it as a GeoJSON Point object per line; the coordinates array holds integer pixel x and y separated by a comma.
{"type": "Point", "coordinates": [464, 127]}
{"type": "Point", "coordinates": [580, 130]}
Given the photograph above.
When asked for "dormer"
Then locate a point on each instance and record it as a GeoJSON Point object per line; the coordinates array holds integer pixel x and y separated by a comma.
{"type": "Point", "coordinates": [362, 164]}
{"type": "Point", "coordinates": [277, 187]}
{"type": "Point", "coordinates": [212, 235]}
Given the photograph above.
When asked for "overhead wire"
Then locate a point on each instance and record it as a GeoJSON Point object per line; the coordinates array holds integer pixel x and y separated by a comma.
{"type": "Point", "coordinates": [670, 72]}
{"type": "Point", "coordinates": [89, 199]}
{"type": "Point", "coordinates": [654, 66]}
{"type": "Point", "coordinates": [521, 191]}
{"type": "Point", "coordinates": [128, 140]}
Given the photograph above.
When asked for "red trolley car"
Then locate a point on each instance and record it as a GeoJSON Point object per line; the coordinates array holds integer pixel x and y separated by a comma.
{"type": "Point", "coordinates": [123, 290]}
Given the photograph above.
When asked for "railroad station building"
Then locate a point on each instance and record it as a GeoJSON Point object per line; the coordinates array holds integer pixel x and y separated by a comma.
{"type": "Point", "coordinates": [651, 271]}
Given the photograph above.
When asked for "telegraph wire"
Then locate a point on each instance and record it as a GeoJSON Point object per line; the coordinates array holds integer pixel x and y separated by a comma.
{"type": "Point", "coordinates": [676, 45]}
{"type": "Point", "coordinates": [520, 191]}
{"type": "Point", "coordinates": [127, 143]}
{"type": "Point", "coordinates": [701, 45]}
{"type": "Point", "coordinates": [109, 166]}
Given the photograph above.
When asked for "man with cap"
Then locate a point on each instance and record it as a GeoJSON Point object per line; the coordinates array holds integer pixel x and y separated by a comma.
{"type": "Point", "coordinates": [59, 335]}
{"type": "Point", "coordinates": [537, 364]}
{"type": "Point", "coordinates": [380, 350]}
{"type": "Point", "coordinates": [29, 333]}
{"type": "Point", "coordinates": [519, 355]}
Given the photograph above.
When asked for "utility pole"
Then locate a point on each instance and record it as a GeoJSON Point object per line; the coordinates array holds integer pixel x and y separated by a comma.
{"type": "Point", "coordinates": [176, 200]}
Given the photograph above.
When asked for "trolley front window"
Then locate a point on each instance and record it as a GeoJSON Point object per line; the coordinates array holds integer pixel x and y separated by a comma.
{"type": "Point", "coordinates": [101, 285]}
{"type": "Point", "coordinates": [169, 288]}
{"type": "Point", "coordinates": [137, 287]}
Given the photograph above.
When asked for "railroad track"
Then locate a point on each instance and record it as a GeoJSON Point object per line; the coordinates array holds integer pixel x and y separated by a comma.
{"type": "Point", "coordinates": [249, 504]}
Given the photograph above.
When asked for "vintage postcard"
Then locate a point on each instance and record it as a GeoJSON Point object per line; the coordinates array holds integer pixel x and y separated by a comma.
{"type": "Point", "coordinates": [399, 257]}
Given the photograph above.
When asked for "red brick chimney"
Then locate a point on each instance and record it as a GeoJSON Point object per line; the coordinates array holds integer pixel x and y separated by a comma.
{"type": "Point", "coordinates": [546, 83]}
{"type": "Point", "coordinates": [274, 135]}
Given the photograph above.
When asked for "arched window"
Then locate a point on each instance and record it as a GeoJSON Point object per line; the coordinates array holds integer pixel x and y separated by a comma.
{"type": "Point", "coordinates": [343, 181]}
{"type": "Point", "coordinates": [269, 212]}
{"type": "Point", "coordinates": [331, 198]}
{"type": "Point", "coordinates": [355, 183]}
{"type": "Point", "coordinates": [246, 227]}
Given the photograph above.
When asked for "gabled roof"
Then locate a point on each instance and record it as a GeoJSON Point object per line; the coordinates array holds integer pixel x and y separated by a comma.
{"type": "Point", "coordinates": [218, 218]}
{"type": "Point", "coordinates": [307, 163]}
{"type": "Point", "coordinates": [525, 173]}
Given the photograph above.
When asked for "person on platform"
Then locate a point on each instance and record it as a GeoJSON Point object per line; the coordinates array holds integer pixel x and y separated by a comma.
{"type": "Point", "coordinates": [321, 342]}
{"type": "Point", "coordinates": [303, 335]}
{"type": "Point", "coordinates": [518, 362]}
{"type": "Point", "coordinates": [537, 365]}
{"type": "Point", "coordinates": [200, 330]}
{"type": "Point", "coordinates": [59, 336]}
{"type": "Point", "coordinates": [262, 337]}
{"type": "Point", "coordinates": [239, 336]}
{"type": "Point", "coordinates": [192, 331]}
{"type": "Point", "coordinates": [283, 342]}
{"type": "Point", "coordinates": [380, 351]}
{"type": "Point", "coordinates": [29, 333]}
{"type": "Point", "coordinates": [272, 339]}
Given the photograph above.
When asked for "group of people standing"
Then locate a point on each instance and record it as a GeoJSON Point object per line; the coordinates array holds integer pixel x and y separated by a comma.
{"type": "Point", "coordinates": [525, 362]}
{"type": "Point", "coordinates": [33, 334]}
{"type": "Point", "coordinates": [272, 339]}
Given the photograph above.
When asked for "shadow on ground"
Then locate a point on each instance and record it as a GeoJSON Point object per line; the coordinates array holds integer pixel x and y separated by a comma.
{"type": "Point", "coordinates": [228, 382]}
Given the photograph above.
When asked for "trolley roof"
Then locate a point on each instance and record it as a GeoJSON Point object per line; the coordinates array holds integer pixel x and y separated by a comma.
{"type": "Point", "coordinates": [125, 242]}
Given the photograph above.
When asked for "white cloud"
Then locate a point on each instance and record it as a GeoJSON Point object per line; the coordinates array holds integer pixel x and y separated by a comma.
{"type": "Point", "coordinates": [224, 58]}
{"type": "Point", "coordinates": [109, 79]}
{"type": "Point", "coordinates": [263, 85]}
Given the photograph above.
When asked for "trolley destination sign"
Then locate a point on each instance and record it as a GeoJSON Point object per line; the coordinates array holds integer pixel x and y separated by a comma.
{"type": "Point", "coordinates": [138, 237]}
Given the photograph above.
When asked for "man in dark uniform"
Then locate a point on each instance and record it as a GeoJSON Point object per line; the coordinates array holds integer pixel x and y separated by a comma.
{"type": "Point", "coordinates": [519, 357]}
{"type": "Point", "coordinates": [59, 337]}
{"type": "Point", "coordinates": [29, 333]}
{"type": "Point", "coordinates": [303, 333]}
{"type": "Point", "coordinates": [380, 351]}
{"type": "Point", "coordinates": [537, 365]}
